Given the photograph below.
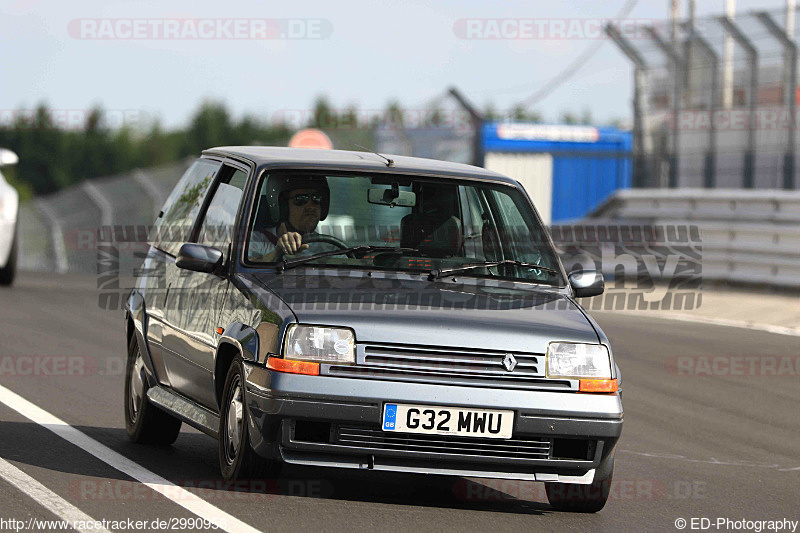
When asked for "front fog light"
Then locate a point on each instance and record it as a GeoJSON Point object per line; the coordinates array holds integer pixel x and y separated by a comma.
{"type": "Point", "coordinates": [320, 344]}
{"type": "Point", "coordinates": [574, 361]}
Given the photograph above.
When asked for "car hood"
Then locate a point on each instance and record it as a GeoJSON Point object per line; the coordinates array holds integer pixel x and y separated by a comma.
{"type": "Point", "coordinates": [491, 315]}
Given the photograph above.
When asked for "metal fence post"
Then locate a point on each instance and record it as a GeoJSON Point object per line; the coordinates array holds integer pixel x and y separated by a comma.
{"type": "Point", "coordinates": [477, 124]}
{"type": "Point", "coordinates": [789, 88]}
{"type": "Point", "coordinates": [709, 171]}
{"type": "Point", "coordinates": [641, 133]}
{"type": "Point", "coordinates": [678, 67]}
{"type": "Point", "coordinates": [752, 60]}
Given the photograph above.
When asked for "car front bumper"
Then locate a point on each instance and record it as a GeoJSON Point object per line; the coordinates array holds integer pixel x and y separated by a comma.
{"type": "Point", "coordinates": [311, 420]}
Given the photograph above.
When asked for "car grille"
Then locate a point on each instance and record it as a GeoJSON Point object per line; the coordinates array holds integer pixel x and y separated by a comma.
{"type": "Point", "coordinates": [451, 366]}
{"type": "Point", "coordinates": [362, 438]}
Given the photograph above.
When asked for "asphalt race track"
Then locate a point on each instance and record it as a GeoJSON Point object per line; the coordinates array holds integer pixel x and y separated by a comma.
{"type": "Point", "coordinates": [693, 446]}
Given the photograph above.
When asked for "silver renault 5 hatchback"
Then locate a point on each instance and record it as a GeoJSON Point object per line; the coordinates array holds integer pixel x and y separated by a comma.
{"type": "Point", "coordinates": [354, 310]}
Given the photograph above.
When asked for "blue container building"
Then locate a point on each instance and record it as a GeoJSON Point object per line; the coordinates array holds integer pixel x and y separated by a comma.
{"type": "Point", "coordinates": [567, 170]}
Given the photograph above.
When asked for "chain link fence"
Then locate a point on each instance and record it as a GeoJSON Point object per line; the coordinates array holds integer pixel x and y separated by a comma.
{"type": "Point", "coordinates": [716, 101]}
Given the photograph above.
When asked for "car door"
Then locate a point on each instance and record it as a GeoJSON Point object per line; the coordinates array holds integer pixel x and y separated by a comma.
{"type": "Point", "coordinates": [171, 229]}
{"type": "Point", "coordinates": [201, 295]}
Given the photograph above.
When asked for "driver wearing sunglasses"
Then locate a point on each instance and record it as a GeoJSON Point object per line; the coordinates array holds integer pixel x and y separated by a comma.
{"type": "Point", "coordinates": [304, 212]}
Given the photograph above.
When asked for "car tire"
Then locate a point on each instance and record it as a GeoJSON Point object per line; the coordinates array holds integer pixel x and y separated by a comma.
{"type": "Point", "coordinates": [8, 272]}
{"type": "Point", "coordinates": [237, 459]}
{"type": "Point", "coordinates": [590, 498]}
{"type": "Point", "coordinates": [144, 422]}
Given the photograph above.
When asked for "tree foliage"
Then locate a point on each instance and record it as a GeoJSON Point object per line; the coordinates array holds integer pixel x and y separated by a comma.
{"type": "Point", "coordinates": [54, 155]}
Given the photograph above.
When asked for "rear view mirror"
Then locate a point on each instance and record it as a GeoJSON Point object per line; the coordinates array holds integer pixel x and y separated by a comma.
{"type": "Point", "coordinates": [392, 197]}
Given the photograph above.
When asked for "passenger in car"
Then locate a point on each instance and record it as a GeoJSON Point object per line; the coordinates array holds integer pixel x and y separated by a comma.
{"type": "Point", "coordinates": [434, 227]}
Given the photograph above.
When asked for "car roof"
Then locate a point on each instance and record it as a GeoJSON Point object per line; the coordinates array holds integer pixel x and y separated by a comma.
{"type": "Point", "coordinates": [279, 156]}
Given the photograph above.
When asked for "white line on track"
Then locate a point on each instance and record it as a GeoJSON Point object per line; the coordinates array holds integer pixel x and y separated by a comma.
{"type": "Point", "coordinates": [56, 235]}
{"type": "Point", "coordinates": [188, 500]}
{"type": "Point", "coordinates": [46, 498]}
{"type": "Point", "coordinates": [712, 461]}
{"type": "Point", "coordinates": [146, 183]}
{"type": "Point", "coordinates": [779, 330]}
{"type": "Point", "coordinates": [105, 206]}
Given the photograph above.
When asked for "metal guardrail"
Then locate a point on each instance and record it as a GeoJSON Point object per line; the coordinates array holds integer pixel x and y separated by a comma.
{"type": "Point", "coordinates": [747, 236]}
{"type": "Point", "coordinates": [58, 232]}
{"type": "Point", "coordinates": [728, 205]}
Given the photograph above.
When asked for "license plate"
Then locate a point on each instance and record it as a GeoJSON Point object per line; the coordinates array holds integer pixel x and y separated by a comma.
{"type": "Point", "coordinates": [439, 420]}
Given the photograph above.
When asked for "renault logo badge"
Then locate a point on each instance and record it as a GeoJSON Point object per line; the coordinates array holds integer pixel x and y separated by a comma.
{"type": "Point", "coordinates": [509, 361]}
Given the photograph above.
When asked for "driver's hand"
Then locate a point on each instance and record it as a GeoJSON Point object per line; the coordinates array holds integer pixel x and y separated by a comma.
{"type": "Point", "coordinates": [291, 243]}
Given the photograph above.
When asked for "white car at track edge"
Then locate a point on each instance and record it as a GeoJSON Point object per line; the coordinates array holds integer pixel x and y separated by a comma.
{"type": "Point", "coordinates": [9, 207]}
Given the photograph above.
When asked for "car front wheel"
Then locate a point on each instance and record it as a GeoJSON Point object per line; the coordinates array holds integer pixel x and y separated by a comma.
{"type": "Point", "coordinates": [237, 459]}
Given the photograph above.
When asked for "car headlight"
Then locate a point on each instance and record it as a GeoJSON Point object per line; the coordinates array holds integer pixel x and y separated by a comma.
{"type": "Point", "coordinates": [320, 344]}
{"type": "Point", "coordinates": [574, 361]}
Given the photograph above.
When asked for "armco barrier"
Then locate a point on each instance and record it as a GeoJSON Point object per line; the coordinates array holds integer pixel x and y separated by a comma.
{"type": "Point", "coordinates": [747, 236]}
{"type": "Point", "coordinates": [51, 227]}
{"type": "Point", "coordinates": [686, 205]}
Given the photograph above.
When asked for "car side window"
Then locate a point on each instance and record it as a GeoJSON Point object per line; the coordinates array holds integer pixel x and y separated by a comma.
{"type": "Point", "coordinates": [517, 233]}
{"type": "Point", "coordinates": [218, 222]}
{"type": "Point", "coordinates": [174, 225]}
{"type": "Point", "coordinates": [473, 223]}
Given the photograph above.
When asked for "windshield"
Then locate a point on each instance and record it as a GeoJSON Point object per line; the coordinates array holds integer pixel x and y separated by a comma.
{"type": "Point", "coordinates": [415, 224]}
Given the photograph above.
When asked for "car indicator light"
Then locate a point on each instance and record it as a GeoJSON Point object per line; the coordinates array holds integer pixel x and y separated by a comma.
{"type": "Point", "coordinates": [293, 367]}
{"type": "Point", "coordinates": [598, 385]}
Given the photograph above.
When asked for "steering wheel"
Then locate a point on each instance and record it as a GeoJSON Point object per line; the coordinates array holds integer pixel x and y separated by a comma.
{"type": "Point", "coordinates": [328, 239]}
{"type": "Point", "coordinates": [321, 237]}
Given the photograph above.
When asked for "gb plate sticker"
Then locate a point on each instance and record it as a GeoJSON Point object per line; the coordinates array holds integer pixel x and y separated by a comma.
{"type": "Point", "coordinates": [389, 417]}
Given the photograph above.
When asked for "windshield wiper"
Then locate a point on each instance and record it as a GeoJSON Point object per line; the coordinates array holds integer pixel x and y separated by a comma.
{"type": "Point", "coordinates": [283, 265]}
{"type": "Point", "coordinates": [438, 273]}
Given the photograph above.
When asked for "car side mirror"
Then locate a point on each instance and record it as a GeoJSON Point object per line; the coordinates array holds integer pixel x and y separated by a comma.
{"type": "Point", "coordinates": [199, 258]}
{"type": "Point", "coordinates": [586, 283]}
